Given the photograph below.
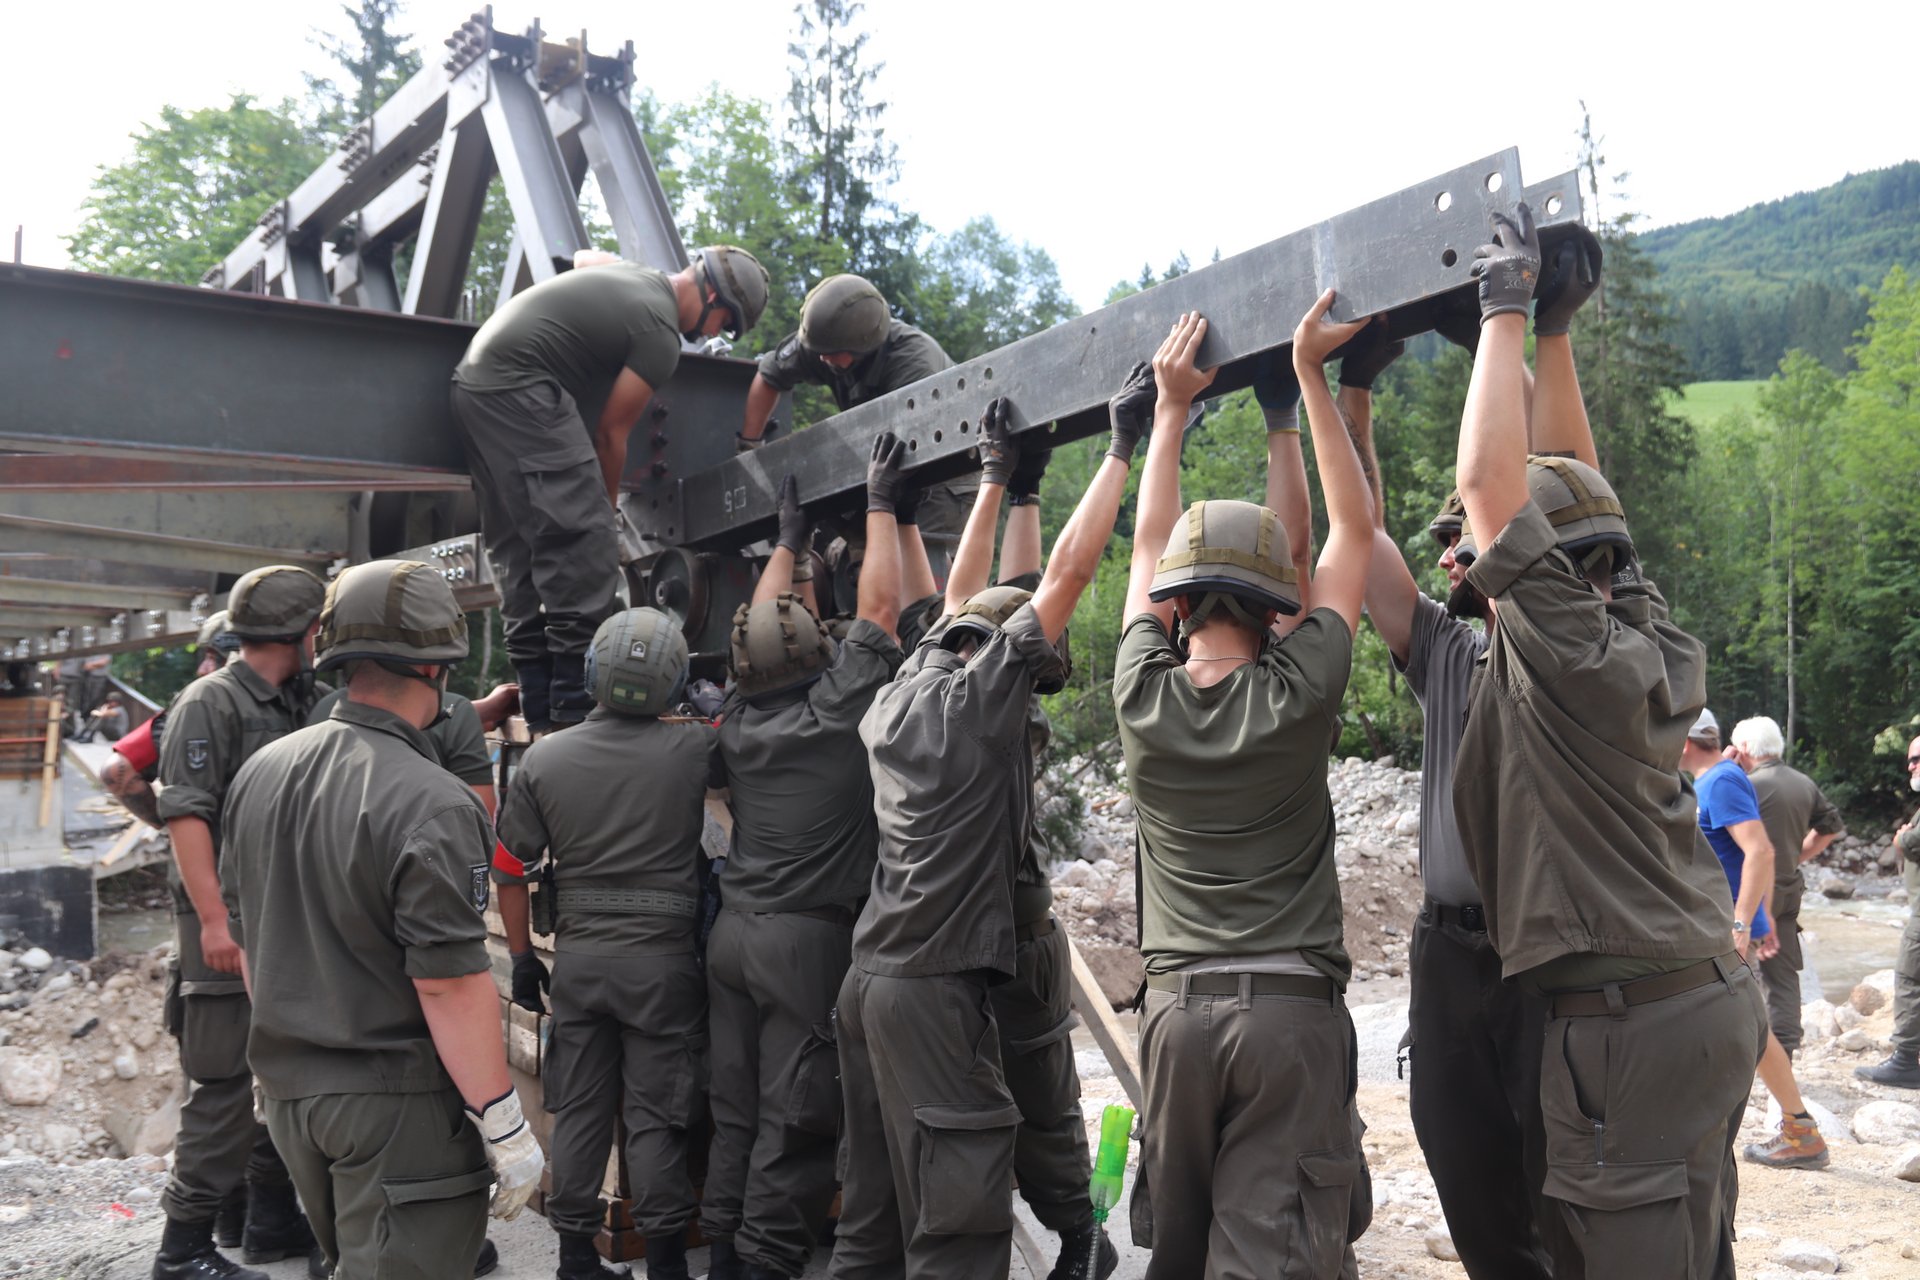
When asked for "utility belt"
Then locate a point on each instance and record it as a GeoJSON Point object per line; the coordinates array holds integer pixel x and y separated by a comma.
{"type": "Point", "coordinates": [1472, 919]}
{"type": "Point", "coordinates": [1036, 929]}
{"type": "Point", "coordinates": [549, 901]}
{"type": "Point", "coordinates": [1243, 985]}
{"type": "Point", "coordinates": [1615, 998]}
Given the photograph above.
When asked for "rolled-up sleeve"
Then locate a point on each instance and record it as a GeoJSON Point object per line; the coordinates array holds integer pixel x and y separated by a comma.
{"type": "Point", "coordinates": [194, 770]}
{"type": "Point", "coordinates": [1545, 613]}
{"type": "Point", "coordinates": [522, 831]}
{"type": "Point", "coordinates": [439, 886]}
{"type": "Point", "coordinates": [990, 694]}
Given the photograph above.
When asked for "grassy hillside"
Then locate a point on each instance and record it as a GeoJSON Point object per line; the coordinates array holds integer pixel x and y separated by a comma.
{"type": "Point", "coordinates": [1704, 403]}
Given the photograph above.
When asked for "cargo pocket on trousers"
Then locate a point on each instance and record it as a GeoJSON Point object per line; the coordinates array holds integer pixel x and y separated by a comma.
{"type": "Point", "coordinates": [690, 1084]}
{"type": "Point", "coordinates": [428, 1220]}
{"type": "Point", "coordinates": [966, 1168]}
{"type": "Point", "coordinates": [1619, 1208]}
{"type": "Point", "coordinates": [1140, 1210]}
{"type": "Point", "coordinates": [1326, 1205]}
{"type": "Point", "coordinates": [213, 1036]}
{"type": "Point", "coordinates": [561, 484]}
{"type": "Point", "coordinates": [813, 1104]}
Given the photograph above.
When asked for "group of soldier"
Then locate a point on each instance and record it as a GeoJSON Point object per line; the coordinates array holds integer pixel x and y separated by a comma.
{"type": "Point", "coordinates": [882, 1002]}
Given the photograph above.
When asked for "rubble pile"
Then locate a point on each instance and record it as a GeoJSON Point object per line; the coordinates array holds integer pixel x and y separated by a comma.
{"type": "Point", "coordinates": [86, 1069]}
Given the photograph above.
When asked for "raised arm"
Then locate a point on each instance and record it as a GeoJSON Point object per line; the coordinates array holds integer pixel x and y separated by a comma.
{"type": "Point", "coordinates": [1277, 391]}
{"type": "Point", "coordinates": [1077, 551]}
{"type": "Point", "coordinates": [916, 571]}
{"type": "Point", "coordinates": [1559, 418]}
{"type": "Point", "coordinates": [1492, 462]}
{"type": "Point", "coordinates": [1173, 380]}
{"type": "Point", "coordinates": [1340, 579]}
{"type": "Point", "coordinates": [625, 403]}
{"type": "Point", "coordinates": [973, 560]}
{"type": "Point", "coordinates": [879, 595]}
{"type": "Point", "coordinates": [789, 546]}
{"type": "Point", "coordinates": [1391, 590]}
{"type": "Point", "coordinates": [1020, 551]}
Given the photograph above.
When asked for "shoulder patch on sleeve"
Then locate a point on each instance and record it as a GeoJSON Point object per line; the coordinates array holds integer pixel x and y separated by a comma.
{"type": "Point", "coordinates": [788, 349]}
{"type": "Point", "coordinates": [477, 885]}
{"type": "Point", "coordinates": [197, 753]}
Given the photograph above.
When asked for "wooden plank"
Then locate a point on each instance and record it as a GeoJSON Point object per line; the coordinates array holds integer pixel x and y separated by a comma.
{"type": "Point", "coordinates": [1105, 1026]}
{"type": "Point", "coordinates": [50, 761]}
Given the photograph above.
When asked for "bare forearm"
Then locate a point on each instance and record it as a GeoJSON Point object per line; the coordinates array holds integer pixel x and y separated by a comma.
{"type": "Point", "coordinates": [880, 573]}
{"type": "Point", "coordinates": [515, 917]}
{"type": "Point", "coordinates": [1756, 872]}
{"type": "Point", "coordinates": [132, 791]}
{"type": "Point", "coordinates": [916, 571]}
{"type": "Point", "coordinates": [1815, 844]}
{"type": "Point", "coordinates": [1342, 482]}
{"type": "Point", "coordinates": [1287, 493]}
{"type": "Point", "coordinates": [973, 561]}
{"type": "Point", "coordinates": [610, 446]}
{"type": "Point", "coordinates": [1559, 418]}
{"type": "Point", "coordinates": [1020, 544]}
{"type": "Point", "coordinates": [1492, 461]}
{"type": "Point", "coordinates": [776, 577]}
{"type": "Point", "coordinates": [762, 396]}
{"type": "Point", "coordinates": [199, 874]}
{"type": "Point", "coordinates": [1077, 551]}
{"type": "Point", "coordinates": [1356, 414]}
{"type": "Point", "coordinates": [1160, 502]}
{"type": "Point", "coordinates": [463, 1017]}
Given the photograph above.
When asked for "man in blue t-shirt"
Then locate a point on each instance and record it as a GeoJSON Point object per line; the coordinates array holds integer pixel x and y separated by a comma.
{"type": "Point", "coordinates": [1730, 822]}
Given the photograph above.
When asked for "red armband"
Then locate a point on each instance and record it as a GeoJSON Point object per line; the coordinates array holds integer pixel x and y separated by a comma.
{"type": "Point", "coordinates": [505, 863]}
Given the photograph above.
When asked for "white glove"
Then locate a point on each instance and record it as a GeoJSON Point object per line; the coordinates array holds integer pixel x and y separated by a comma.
{"type": "Point", "coordinates": [513, 1152]}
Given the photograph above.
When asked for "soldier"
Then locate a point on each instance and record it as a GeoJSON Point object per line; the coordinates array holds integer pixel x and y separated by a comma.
{"type": "Point", "coordinates": [1902, 1067]}
{"type": "Point", "coordinates": [1034, 1012]}
{"type": "Point", "coordinates": [603, 333]}
{"type": "Point", "coordinates": [1801, 822]}
{"type": "Point", "coordinates": [458, 735]}
{"type": "Point", "coordinates": [360, 876]}
{"type": "Point", "coordinates": [1581, 837]}
{"type": "Point", "coordinates": [930, 1122]}
{"type": "Point", "coordinates": [213, 727]}
{"type": "Point", "coordinates": [615, 808]}
{"type": "Point", "coordinates": [799, 865]}
{"type": "Point", "coordinates": [1247, 1053]}
{"type": "Point", "coordinates": [130, 776]}
{"type": "Point", "coordinates": [1474, 1040]}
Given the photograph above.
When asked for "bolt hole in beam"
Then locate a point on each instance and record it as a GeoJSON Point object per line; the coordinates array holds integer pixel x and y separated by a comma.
{"type": "Point", "coordinates": [1443, 202]}
{"type": "Point", "coordinates": [1448, 257]}
{"type": "Point", "coordinates": [910, 402]}
{"type": "Point", "coordinates": [1493, 182]}
{"type": "Point", "coordinates": [937, 437]}
{"type": "Point", "coordinates": [988, 374]}
{"type": "Point", "coordinates": [962, 385]}
{"type": "Point", "coordinates": [934, 394]}
{"type": "Point", "coordinates": [964, 426]}
{"type": "Point", "coordinates": [1554, 204]}
{"type": "Point", "coordinates": [913, 446]}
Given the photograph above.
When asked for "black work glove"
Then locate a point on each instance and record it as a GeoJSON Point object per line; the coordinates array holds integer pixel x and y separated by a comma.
{"type": "Point", "coordinates": [999, 455]}
{"type": "Point", "coordinates": [1458, 320]}
{"type": "Point", "coordinates": [530, 978]}
{"type": "Point", "coordinates": [1276, 388]}
{"type": "Point", "coordinates": [1024, 486]}
{"type": "Point", "coordinates": [884, 480]}
{"type": "Point", "coordinates": [1509, 268]}
{"type": "Point", "coordinates": [743, 445]}
{"type": "Point", "coordinates": [1366, 355]}
{"type": "Point", "coordinates": [1131, 412]}
{"type": "Point", "coordinates": [906, 505]}
{"type": "Point", "coordinates": [1567, 282]}
{"type": "Point", "coordinates": [793, 521]}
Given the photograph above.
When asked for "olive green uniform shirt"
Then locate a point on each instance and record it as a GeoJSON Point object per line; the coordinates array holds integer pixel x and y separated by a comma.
{"type": "Point", "coordinates": [358, 865]}
{"type": "Point", "coordinates": [953, 787]}
{"type": "Point", "coordinates": [458, 741]}
{"type": "Point", "coordinates": [1791, 804]}
{"type": "Point", "coordinates": [1909, 847]}
{"type": "Point", "coordinates": [579, 329]}
{"type": "Point", "coordinates": [907, 355]}
{"type": "Point", "coordinates": [1235, 823]}
{"type": "Point", "coordinates": [800, 792]}
{"type": "Point", "coordinates": [1568, 793]}
{"type": "Point", "coordinates": [618, 802]}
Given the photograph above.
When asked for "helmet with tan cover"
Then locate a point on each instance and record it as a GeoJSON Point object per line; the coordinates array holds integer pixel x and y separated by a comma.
{"type": "Point", "coordinates": [1588, 522]}
{"type": "Point", "coordinates": [844, 313]}
{"type": "Point", "coordinates": [274, 602]}
{"type": "Point", "coordinates": [1452, 515]}
{"type": "Point", "coordinates": [392, 612]}
{"type": "Point", "coordinates": [984, 613]}
{"type": "Point", "coordinates": [777, 644]}
{"type": "Point", "coordinates": [1228, 554]}
{"type": "Point", "coordinates": [637, 663]}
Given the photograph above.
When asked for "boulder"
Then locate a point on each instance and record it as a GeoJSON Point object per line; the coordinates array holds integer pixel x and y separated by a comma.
{"type": "Point", "coordinates": [1817, 1021]}
{"type": "Point", "coordinates": [1906, 1165]}
{"type": "Point", "coordinates": [1887, 1123]}
{"type": "Point", "coordinates": [28, 1079]}
{"type": "Point", "coordinates": [1440, 1245]}
{"type": "Point", "coordinates": [1118, 969]}
{"type": "Point", "coordinates": [1838, 889]}
{"type": "Point", "coordinates": [1868, 1000]}
{"type": "Point", "coordinates": [34, 958]}
{"type": "Point", "coordinates": [1846, 1017]}
{"type": "Point", "coordinates": [146, 1134]}
{"type": "Point", "coordinates": [1805, 1255]}
{"type": "Point", "coordinates": [1855, 1040]}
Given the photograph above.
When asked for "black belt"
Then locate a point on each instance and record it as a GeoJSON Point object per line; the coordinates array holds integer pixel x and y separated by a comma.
{"type": "Point", "coordinates": [841, 916]}
{"type": "Point", "coordinates": [1038, 929]}
{"type": "Point", "coordinates": [1616, 997]}
{"type": "Point", "coordinates": [608, 901]}
{"type": "Point", "coordinates": [1472, 919]}
{"type": "Point", "coordinates": [1229, 984]}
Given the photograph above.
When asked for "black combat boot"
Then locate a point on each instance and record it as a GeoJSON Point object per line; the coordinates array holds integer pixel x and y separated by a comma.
{"type": "Point", "coordinates": [667, 1256]}
{"type": "Point", "coordinates": [723, 1262]}
{"type": "Point", "coordinates": [569, 699]}
{"type": "Point", "coordinates": [1076, 1254]}
{"type": "Point", "coordinates": [232, 1219]}
{"type": "Point", "coordinates": [534, 679]}
{"type": "Point", "coordinates": [1901, 1070]}
{"type": "Point", "coordinates": [276, 1228]}
{"type": "Point", "coordinates": [489, 1260]}
{"type": "Point", "coordinates": [579, 1260]}
{"type": "Point", "coordinates": [187, 1253]}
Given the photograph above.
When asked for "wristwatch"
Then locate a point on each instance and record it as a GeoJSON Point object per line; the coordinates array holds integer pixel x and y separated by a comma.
{"type": "Point", "coordinates": [1739, 926]}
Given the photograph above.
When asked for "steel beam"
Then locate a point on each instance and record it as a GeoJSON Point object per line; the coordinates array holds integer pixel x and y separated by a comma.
{"type": "Point", "coordinates": [642, 222]}
{"type": "Point", "coordinates": [456, 197]}
{"type": "Point", "coordinates": [313, 523]}
{"type": "Point", "coordinates": [1394, 255]}
{"type": "Point", "coordinates": [546, 210]}
{"type": "Point", "coordinates": [81, 473]}
{"type": "Point", "coordinates": [42, 591]}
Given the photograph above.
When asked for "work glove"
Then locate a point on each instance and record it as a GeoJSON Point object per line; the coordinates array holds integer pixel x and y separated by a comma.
{"type": "Point", "coordinates": [1567, 282]}
{"type": "Point", "coordinates": [999, 455]}
{"type": "Point", "coordinates": [513, 1152]}
{"type": "Point", "coordinates": [1276, 388]}
{"type": "Point", "coordinates": [1458, 320]}
{"type": "Point", "coordinates": [1131, 412]}
{"type": "Point", "coordinates": [1024, 487]}
{"type": "Point", "coordinates": [743, 445]}
{"type": "Point", "coordinates": [906, 504]}
{"type": "Point", "coordinates": [1366, 355]}
{"type": "Point", "coordinates": [884, 479]}
{"type": "Point", "coordinates": [793, 521]}
{"type": "Point", "coordinates": [1509, 267]}
{"type": "Point", "coordinates": [706, 697]}
{"type": "Point", "coordinates": [530, 978]}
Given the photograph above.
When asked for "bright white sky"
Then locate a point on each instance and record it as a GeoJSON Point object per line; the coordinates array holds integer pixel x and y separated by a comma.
{"type": "Point", "coordinates": [1117, 133]}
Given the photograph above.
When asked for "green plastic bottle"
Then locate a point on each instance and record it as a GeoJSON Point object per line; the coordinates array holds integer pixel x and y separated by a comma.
{"type": "Point", "coordinates": [1110, 1163]}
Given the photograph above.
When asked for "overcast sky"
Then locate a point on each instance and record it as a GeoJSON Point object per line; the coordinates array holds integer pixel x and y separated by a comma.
{"type": "Point", "coordinates": [1111, 134]}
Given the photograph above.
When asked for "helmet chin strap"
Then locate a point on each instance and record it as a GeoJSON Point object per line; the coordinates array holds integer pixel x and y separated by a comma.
{"type": "Point", "coordinates": [1212, 600]}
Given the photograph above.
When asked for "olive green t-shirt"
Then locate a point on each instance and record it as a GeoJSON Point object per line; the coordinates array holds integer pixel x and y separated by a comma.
{"type": "Point", "coordinates": [459, 743]}
{"type": "Point", "coordinates": [579, 329]}
{"type": "Point", "coordinates": [1791, 804]}
{"type": "Point", "coordinates": [1235, 822]}
{"type": "Point", "coordinates": [907, 355]}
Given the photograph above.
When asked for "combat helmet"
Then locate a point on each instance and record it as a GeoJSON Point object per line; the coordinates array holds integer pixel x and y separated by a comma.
{"type": "Point", "coordinates": [739, 283]}
{"type": "Point", "coordinates": [274, 602]}
{"type": "Point", "coordinates": [637, 663]}
{"type": "Point", "coordinates": [215, 634]}
{"type": "Point", "coordinates": [984, 613]}
{"type": "Point", "coordinates": [844, 313]}
{"type": "Point", "coordinates": [1452, 515]}
{"type": "Point", "coordinates": [1588, 521]}
{"type": "Point", "coordinates": [1228, 554]}
{"type": "Point", "coordinates": [777, 644]}
{"type": "Point", "coordinates": [1467, 550]}
{"type": "Point", "coordinates": [395, 612]}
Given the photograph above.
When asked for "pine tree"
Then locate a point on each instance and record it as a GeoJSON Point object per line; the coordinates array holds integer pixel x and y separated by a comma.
{"type": "Point", "coordinates": [376, 60]}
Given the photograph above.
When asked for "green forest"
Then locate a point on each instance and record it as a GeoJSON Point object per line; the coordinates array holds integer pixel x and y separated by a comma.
{"type": "Point", "coordinates": [1779, 518]}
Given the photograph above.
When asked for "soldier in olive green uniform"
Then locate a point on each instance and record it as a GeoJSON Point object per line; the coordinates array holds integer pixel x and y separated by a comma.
{"type": "Point", "coordinates": [617, 805]}
{"type": "Point", "coordinates": [800, 863]}
{"type": "Point", "coordinates": [1902, 1067]}
{"type": "Point", "coordinates": [1582, 836]}
{"type": "Point", "coordinates": [358, 877]}
{"type": "Point", "coordinates": [548, 485]}
{"type": "Point", "coordinates": [459, 736]}
{"type": "Point", "coordinates": [213, 727]}
{"type": "Point", "coordinates": [1250, 1154]}
{"type": "Point", "coordinates": [930, 1121]}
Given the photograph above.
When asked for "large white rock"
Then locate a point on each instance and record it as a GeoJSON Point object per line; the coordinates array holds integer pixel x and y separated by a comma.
{"type": "Point", "coordinates": [1855, 1040]}
{"type": "Point", "coordinates": [1906, 1165]}
{"type": "Point", "coordinates": [1440, 1245]}
{"type": "Point", "coordinates": [34, 958]}
{"type": "Point", "coordinates": [1868, 999]}
{"type": "Point", "coordinates": [1887, 1123]}
{"type": "Point", "coordinates": [28, 1079]}
{"type": "Point", "coordinates": [1805, 1255]}
{"type": "Point", "coordinates": [1882, 979]}
{"type": "Point", "coordinates": [1817, 1021]}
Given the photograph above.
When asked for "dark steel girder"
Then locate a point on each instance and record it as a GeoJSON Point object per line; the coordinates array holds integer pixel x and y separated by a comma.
{"type": "Point", "coordinates": [18, 591]}
{"type": "Point", "coordinates": [1396, 255]}
{"type": "Point", "coordinates": [92, 472]}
